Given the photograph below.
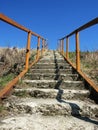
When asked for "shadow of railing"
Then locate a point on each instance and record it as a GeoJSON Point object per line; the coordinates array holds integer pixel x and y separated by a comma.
{"type": "Point", "coordinates": [75, 109]}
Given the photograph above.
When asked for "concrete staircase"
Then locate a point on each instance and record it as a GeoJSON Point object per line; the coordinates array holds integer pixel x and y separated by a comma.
{"type": "Point", "coordinates": [51, 96]}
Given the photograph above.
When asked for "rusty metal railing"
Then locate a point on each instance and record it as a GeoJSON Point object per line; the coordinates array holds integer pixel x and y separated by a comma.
{"type": "Point", "coordinates": [61, 49]}
{"type": "Point", "coordinates": [10, 85]}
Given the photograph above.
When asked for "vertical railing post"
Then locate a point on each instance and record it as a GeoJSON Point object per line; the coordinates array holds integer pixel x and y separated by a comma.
{"type": "Point", "coordinates": [43, 41]}
{"type": "Point", "coordinates": [38, 46]}
{"type": "Point", "coordinates": [67, 48]}
{"type": "Point", "coordinates": [62, 46]}
{"type": "Point", "coordinates": [77, 52]}
{"type": "Point", "coordinates": [44, 45]}
{"type": "Point", "coordinates": [59, 45]}
{"type": "Point", "coordinates": [28, 50]}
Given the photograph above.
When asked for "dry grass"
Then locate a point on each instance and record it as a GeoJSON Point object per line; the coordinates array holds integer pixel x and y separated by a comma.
{"type": "Point", "coordinates": [12, 62]}
{"type": "Point", "coordinates": [89, 63]}
{"type": "Point", "coordinates": [11, 56]}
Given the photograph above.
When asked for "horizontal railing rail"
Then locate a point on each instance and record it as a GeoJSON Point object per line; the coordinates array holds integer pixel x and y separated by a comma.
{"type": "Point", "coordinates": [15, 24]}
{"type": "Point", "coordinates": [61, 49]}
{"type": "Point", "coordinates": [87, 25]}
{"type": "Point", "coordinates": [10, 85]}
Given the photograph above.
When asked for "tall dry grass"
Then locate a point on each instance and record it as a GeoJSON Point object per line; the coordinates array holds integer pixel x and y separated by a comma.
{"type": "Point", "coordinates": [14, 57]}
{"type": "Point", "coordinates": [89, 63]}
{"type": "Point", "coordinates": [11, 56]}
{"type": "Point", "coordinates": [12, 62]}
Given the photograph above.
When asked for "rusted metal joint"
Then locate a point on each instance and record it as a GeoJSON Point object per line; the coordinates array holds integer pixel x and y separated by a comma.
{"type": "Point", "coordinates": [27, 50]}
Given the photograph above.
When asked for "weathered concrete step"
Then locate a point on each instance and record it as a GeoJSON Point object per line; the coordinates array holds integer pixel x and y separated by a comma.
{"type": "Point", "coordinates": [53, 107]}
{"type": "Point", "coordinates": [52, 93]}
{"type": "Point", "coordinates": [52, 58]}
{"type": "Point", "coordinates": [52, 61]}
{"type": "Point", "coordinates": [40, 122]}
{"type": "Point", "coordinates": [55, 84]}
{"type": "Point", "coordinates": [2, 63]}
{"type": "Point", "coordinates": [48, 56]}
{"type": "Point", "coordinates": [64, 71]}
{"type": "Point", "coordinates": [52, 66]}
{"type": "Point", "coordinates": [47, 76]}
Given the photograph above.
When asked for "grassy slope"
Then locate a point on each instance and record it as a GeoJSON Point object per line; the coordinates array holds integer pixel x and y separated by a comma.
{"type": "Point", "coordinates": [89, 63]}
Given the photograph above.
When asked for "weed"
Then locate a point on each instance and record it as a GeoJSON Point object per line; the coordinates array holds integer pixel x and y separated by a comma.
{"type": "Point", "coordinates": [32, 57]}
{"type": "Point", "coordinates": [20, 81]}
{"type": "Point", "coordinates": [21, 93]}
{"type": "Point", "coordinates": [97, 78]}
{"type": "Point", "coordinates": [5, 79]}
{"type": "Point", "coordinates": [72, 55]}
{"type": "Point", "coordinates": [2, 108]}
{"type": "Point", "coordinates": [87, 66]}
{"type": "Point", "coordinates": [29, 70]}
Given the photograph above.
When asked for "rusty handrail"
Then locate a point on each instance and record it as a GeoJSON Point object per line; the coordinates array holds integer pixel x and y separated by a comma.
{"type": "Point", "coordinates": [61, 49]}
{"type": "Point", "coordinates": [10, 85]}
{"type": "Point", "coordinates": [87, 25]}
{"type": "Point", "coordinates": [76, 32]}
{"type": "Point", "coordinates": [15, 24]}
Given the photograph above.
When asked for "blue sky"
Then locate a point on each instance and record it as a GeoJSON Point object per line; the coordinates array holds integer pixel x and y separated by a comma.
{"type": "Point", "coordinates": [51, 19]}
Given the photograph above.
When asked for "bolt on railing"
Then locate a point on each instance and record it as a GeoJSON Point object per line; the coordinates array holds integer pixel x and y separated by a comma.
{"type": "Point", "coordinates": [61, 48]}
{"type": "Point", "coordinates": [27, 66]}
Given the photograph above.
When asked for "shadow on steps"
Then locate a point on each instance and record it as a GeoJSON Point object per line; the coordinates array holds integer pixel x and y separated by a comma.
{"type": "Point", "coordinates": [75, 109]}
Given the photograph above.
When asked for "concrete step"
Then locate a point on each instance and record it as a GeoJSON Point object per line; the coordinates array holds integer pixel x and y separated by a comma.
{"type": "Point", "coordinates": [48, 66]}
{"type": "Point", "coordinates": [52, 107]}
{"type": "Point", "coordinates": [36, 105]}
{"type": "Point", "coordinates": [64, 71]}
{"type": "Point", "coordinates": [52, 93]}
{"type": "Point", "coordinates": [2, 63]}
{"type": "Point", "coordinates": [55, 84]}
{"type": "Point", "coordinates": [52, 64]}
{"type": "Point", "coordinates": [40, 122]}
{"type": "Point", "coordinates": [47, 76]}
{"type": "Point", "coordinates": [52, 61]}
